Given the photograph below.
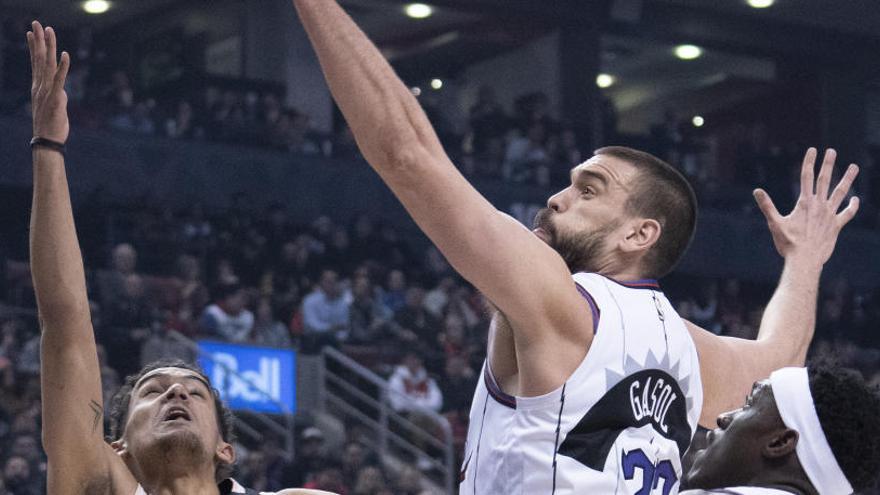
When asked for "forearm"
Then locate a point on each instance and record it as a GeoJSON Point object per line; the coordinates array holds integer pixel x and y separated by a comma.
{"type": "Point", "coordinates": [384, 116]}
{"type": "Point", "coordinates": [789, 319]}
{"type": "Point", "coordinates": [56, 262]}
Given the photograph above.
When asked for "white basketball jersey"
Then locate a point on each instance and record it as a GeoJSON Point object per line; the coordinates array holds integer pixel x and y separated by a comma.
{"type": "Point", "coordinates": [740, 490]}
{"type": "Point", "coordinates": [619, 424]}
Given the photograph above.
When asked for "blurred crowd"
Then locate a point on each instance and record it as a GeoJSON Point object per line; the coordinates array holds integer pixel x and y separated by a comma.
{"type": "Point", "coordinates": [258, 277]}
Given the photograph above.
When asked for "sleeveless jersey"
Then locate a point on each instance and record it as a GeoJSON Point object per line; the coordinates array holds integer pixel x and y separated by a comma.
{"type": "Point", "coordinates": [618, 425]}
{"type": "Point", "coordinates": [740, 490]}
{"type": "Point", "coordinates": [227, 487]}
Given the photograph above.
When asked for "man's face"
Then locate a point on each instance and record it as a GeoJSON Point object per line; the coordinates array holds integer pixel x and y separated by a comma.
{"type": "Point", "coordinates": [172, 409]}
{"type": "Point", "coordinates": [733, 451]}
{"type": "Point", "coordinates": [584, 221]}
{"type": "Point", "coordinates": [330, 284]}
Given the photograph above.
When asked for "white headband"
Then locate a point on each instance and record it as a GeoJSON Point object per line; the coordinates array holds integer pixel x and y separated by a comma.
{"type": "Point", "coordinates": [791, 388]}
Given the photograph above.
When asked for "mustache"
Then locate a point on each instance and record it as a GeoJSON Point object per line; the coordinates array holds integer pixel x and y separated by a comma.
{"type": "Point", "coordinates": [542, 221]}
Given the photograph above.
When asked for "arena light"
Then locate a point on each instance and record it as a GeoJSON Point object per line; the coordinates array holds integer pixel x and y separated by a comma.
{"type": "Point", "coordinates": [437, 84]}
{"type": "Point", "coordinates": [698, 121]}
{"type": "Point", "coordinates": [416, 91]}
{"type": "Point", "coordinates": [96, 6]}
{"type": "Point", "coordinates": [760, 4]}
{"type": "Point", "coordinates": [688, 52]}
{"type": "Point", "coordinates": [418, 10]}
{"type": "Point", "coordinates": [605, 80]}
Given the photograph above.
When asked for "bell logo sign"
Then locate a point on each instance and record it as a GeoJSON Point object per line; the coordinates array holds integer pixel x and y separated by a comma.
{"type": "Point", "coordinates": [254, 378]}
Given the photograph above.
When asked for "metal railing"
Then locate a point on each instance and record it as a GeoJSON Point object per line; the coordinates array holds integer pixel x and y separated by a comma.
{"type": "Point", "coordinates": [283, 426]}
{"type": "Point", "coordinates": [397, 434]}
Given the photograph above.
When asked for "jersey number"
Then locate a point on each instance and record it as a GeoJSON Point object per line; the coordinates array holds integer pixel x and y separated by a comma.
{"type": "Point", "coordinates": [651, 473]}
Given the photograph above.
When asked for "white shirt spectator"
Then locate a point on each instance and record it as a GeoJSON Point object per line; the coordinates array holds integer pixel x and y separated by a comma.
{"type": "Point", "coordinates": [232, 328]}
{"type": "Point", "coordinates": [411, 388]}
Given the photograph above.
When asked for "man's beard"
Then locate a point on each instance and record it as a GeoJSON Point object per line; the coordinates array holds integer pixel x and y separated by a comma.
{"type": "Point", "coordinates": [581, 250]}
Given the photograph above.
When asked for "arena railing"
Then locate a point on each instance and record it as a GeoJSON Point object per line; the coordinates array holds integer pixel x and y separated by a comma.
{"type": "Point", "coordinates": [343, 383]}
{"type": "Point", "coordinates": [282, 425]}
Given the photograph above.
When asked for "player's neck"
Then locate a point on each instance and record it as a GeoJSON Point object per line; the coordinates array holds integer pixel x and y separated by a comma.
{"type": "Point", "coordinates": [787, 483]}
{"type": "Point", "coordinates": [182, 485]}
{"type": "Point", "coordinates": [166, 477]}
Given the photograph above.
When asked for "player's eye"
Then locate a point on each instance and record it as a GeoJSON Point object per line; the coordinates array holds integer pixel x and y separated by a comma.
{"type": "Point", "coordinates": [588, 191]}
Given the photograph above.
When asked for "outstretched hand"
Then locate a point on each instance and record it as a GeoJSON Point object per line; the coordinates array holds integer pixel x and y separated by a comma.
{"type": "Point", "coordinates": [48, 98]}
{"type": "Point", "coordinates": [812, 227]}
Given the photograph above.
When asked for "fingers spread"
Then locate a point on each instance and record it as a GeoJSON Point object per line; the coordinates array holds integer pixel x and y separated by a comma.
{"type": "Point", "coordinates": [849, 212]}
{"type": "Point", "coordinates": [807, 173]}
{"type": "Point", "coordinates": [843, 187]}
{"type": "Point", "coordinates": [765, 203]}
{"type": "Point", "coordinates": [824, 180]}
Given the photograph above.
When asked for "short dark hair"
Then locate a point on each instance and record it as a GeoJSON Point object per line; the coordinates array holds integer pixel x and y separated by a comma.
{"type": "Point", "coordinates": [849, 412]}
{"type": "Point", "coordinates": [122, 399]}
{"type": "Point", "coordinates": [661, 193]}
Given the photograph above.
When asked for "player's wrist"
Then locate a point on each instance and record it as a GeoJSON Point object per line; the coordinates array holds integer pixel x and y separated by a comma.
{"type": "Point", "coordinates": [42, 143]}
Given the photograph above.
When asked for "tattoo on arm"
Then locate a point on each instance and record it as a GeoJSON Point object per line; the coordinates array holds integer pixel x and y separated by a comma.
{"type": "Point", "coordinates": [99, 413]}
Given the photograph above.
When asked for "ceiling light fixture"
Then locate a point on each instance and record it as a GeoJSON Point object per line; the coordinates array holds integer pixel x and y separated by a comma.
{"type": "Point", "coordinates": [96, 6]}
{"type": "Point", "coordinates": [760, 4]}
{"type": "Point", "coordinates": [418, 10]}
{"type": "Point", "coordinates": [698, 121]}
{"type": "Point", "coordinates": [436, 83]}
{"type": "Point", "coordinates": [688, 52]}
{"type": "Point", "coordinates": [605, 80]}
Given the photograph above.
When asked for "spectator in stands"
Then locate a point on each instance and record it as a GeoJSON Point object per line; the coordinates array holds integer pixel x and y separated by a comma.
{"type": "Point", "coordinates": [410, 389]}
{"type": "Point", "coordinates": [183, 124]}
{"type": "Point", "coordinates": [354, 459]}
{"type": "Point", "coordinates": [458, 385]}
{"type": "Point", "coordinates": [268, 331]}
{"type": "Point", "coordinates": [487, 120]}
{"type": "Point", "coordinates": [228, 318]}
{"type": "Point", "coordinates": [325, 314]}
{"type": "Point", "coordinates": [370, 481]}
{"type": "Point", "coordinates": [437, 298]}
{"type": "Point", "coordinates": [415, 325]}
{"type": "Point", "coordinates": [310, 457]}
{"type": "Point", "coordinates": [525, 154]}
{"type": "Point", "coordinates": [127, 319]}
{"type": "Point", "coordinates": [329, 478]}
{"type": "Point", "coordinates": [368, 317]}
{"type": "Point", "coordinates": [123, 263]}
{"type": "Point", "coordinates": [19, 478]}
{"type": "Point", "coordinates": [394, 297]}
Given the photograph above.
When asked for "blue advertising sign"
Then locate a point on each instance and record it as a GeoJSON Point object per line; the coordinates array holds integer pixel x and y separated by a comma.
{"type": "Point", "coordinates": [265, 376]}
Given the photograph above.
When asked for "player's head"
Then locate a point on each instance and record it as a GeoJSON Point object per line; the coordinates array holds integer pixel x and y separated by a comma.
{"type": "Point", "coordinates": [623, 207]}
{"type": "Point", "coordinates": [170, 406]}
{"type": "Point", "coordinates": [819, 428]}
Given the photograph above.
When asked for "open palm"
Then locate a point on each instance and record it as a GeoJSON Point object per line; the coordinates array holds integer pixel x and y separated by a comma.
{"type": "Point", "coordinates": [812, 227]}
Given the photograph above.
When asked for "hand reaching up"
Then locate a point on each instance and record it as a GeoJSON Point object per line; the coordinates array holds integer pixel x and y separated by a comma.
{"type": "Point", "coordinates": [810, 231]}
{"type": "Point", "coordinates": [49, 100]}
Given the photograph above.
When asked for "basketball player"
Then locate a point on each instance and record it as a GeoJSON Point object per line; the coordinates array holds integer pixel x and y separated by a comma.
{"type": "Point", "coordinates": [809, 432]}
{"type": "Point", "coordinates": [172, 432]}
{"type": "Point", "coordinates": [593, 384]}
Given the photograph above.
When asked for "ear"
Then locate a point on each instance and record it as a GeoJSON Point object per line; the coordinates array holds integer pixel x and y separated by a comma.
{"type": "Point", "coordinates": [225, 453]}
{"type": "Point", "coordinates": [641, 236]}
{"type": "Point", "coordinates": [781, 444]}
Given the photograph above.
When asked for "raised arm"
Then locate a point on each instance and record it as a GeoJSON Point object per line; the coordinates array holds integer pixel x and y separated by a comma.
{"type": "Point", "coordinates": [79, 459]}
{"type": "Point", "coordinates": [805, 238]}
{"type": "Point", "coordinates": [523, 277]}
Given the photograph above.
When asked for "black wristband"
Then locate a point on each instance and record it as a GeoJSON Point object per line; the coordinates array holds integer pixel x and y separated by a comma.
{"type": "Point", "coordinates": [47, 143]}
